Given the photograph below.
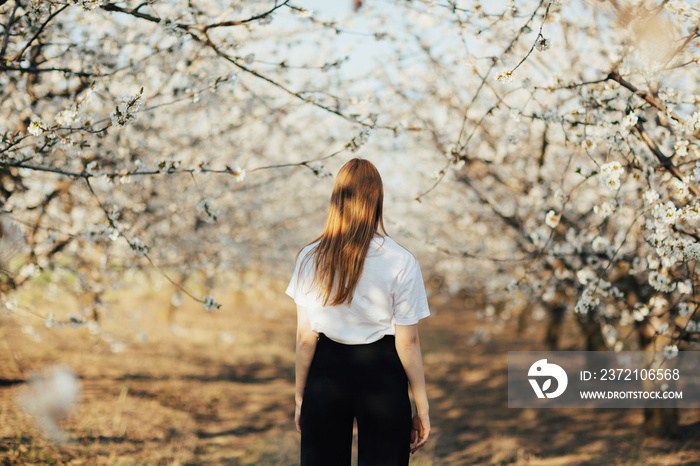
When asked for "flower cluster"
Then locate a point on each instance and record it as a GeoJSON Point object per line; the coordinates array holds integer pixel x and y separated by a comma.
{"type": "Point", "coordinates": [542, 44]}
{"type": "Point", "coordinates": [605, 209]}
{"type": "Point", "coordinates": [684, 310]}
{"type": "Point", "coordinates": [68, 116]}
{"type": "Point", "coordinates": [610, 174]}
{"type": "Point", "coordinates": [661, 282]}
{"type": "Point", "coordinates": [204, 206]}
{"type": "Point", "coordinates": [237, 172]}
{"type": "Point", "coordinates": [319, 170]}
{"type": "Point", "coordinates": [170, 25]}
{"type": "Point", "coordinates": [210, 303]}
{"type": "Point", "coordinates": [586, 302]}
{"type": "Point", "coordinates": [38, 9]}
{"type": "Point", "coordinates": [88, 5]}
{"type": "Point", "coordinates": [505, 76]}
{"type": "Point", "coordinates": [127, 110]}
{"type": "Point", "coordinates": [167, 165]}
{"type": "Point", "coordinates": [137, 247]}
{"type": "Point", "coordinates": [359, 140]}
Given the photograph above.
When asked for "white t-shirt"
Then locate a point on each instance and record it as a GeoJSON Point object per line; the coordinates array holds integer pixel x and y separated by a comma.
{"type": "Point", "coordinates": [390, 291]}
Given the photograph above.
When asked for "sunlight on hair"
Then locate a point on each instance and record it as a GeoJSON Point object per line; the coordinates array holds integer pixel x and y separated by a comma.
{"type": "Point", "coordinates": [355, 216]}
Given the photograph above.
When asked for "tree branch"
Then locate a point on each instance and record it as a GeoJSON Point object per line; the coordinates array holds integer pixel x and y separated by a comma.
{"type": "Point", "coordinates": [661, 157]}
{"type": "Point", "coordinates": [41, 29]}
{"type": "Point", "coordinates": [7, 31]}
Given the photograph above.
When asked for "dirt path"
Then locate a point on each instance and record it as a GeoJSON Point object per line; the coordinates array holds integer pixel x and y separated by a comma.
{"type": "Point", "coordinates": [217, 388]}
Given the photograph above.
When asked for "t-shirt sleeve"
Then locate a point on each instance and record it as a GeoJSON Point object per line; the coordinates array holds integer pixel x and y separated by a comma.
{"type": "Point", "coordinates": [295, 289]}
{"type": "Point", "coordinates": [410, 300]}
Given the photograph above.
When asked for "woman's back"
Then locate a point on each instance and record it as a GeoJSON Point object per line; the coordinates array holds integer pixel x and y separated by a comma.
{"type": "Point", "coordinates": [359, 298]}
{"type": "Point", "coordinates": [390, 291]}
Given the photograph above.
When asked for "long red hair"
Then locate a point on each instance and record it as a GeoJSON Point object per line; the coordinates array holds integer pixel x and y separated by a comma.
{"type": "Point", "coordinates": [355, 216]}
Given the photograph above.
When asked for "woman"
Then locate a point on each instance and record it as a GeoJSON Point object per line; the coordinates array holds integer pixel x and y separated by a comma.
{"type": "Point", "coordinates": [359, 297]}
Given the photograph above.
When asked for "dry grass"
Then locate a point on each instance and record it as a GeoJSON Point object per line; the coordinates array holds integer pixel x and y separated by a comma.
{"type": "Point", "coordinates": [187, 395]}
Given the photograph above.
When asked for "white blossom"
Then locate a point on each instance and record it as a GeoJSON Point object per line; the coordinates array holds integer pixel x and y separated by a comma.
{"type": "Point", "coordinates": [238, 172]}
{"type": "Point", "coordinates": [660, 282]}
{"type": "Point", "coordinates": [202, 165]}
{"type": "Point", "coordinates": [167, 165]}
{"type": "Point", "coordinates": [265, 20]}
{"type": "Point", "coordinates": [650, 196]}
{"type": "Point", "coordinates": [605, 209]}
{"type": "Point", "coordinates": [453, 150]}
{"type": "Point", "coordinates": [681, 148]}
{"type": "Point", "coordinates": [658, 303]}
{"type": "Point", "coordinates": [552, 219]}
{"type": "Point", "coordinates": [137, 247]}
{"type": "Point", "coordinates": [609, 334]}
{"type": "Point", "coordinates": [542, 44]}
{"type": "Point", "coordinates": [640, 312]}
{"type": "Point", "coordinates": [127, 110]}
{"type": "Point", "coordinates": [210, 304]}
{"type": "Point", "coordinates": [586, 303]}
{"type": "Point", "coordinates": [669, 213]}
{"type": "Point", "coordinates": [692, 124]}
{"type": "Point", "coordinates": [319, 170]}
{"type": "Point", "coordinates": [678, 7]}
{"type": "Point", "coordinates": [585, 275]}
{"type": "Point", "coordinates": [610, 174]}
{"type": "Point", "coordinates": [670, 351]}
{"type": "Point", "coordinates": [685, 287]}
{"type": "Point", "coordinates": [679, 189]}
{"type": "Point", "coordinates": [629, 120]}
{"type": "Point", "coordinates": [513, 286]}
{"type": "Point", "coordinates": [204, 206]}
{"type": "Point", "coordinates": [505, 76]}
{"type": "Point", "coordinates": [303, 13]}
{"type": "Point", "coordinates": [88, 5]}
{"type": "Point", "coordinates": [600, 244]}
{"type": "Point", "coordinates": [358, 141]}
{"type": "Point", "coordinates": [170, 26]}
{"type": "Point", "coordinates": [67, 116]}
{"type": "Point", "coordinates": [36, 126]}
{"type": "Point", "coordinates": [684, 310]}
{"type": "Point", "coordinates": [588, 142]}
{"type": "Point", "coordinates": [692, 251]}
{"type": "Point", "coordinates": [691, 211]}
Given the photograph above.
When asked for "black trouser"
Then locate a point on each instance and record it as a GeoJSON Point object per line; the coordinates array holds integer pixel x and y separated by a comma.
{"type": "Point", "coordinates": [366, 382]}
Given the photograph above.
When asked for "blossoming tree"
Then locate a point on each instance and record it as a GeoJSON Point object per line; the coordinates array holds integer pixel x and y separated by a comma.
{"type": "Point", "coordinates": [165, 134]}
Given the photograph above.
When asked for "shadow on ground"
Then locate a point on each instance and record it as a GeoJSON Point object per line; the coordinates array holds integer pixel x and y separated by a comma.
{"type": "Point", "coordinates": [195, 399]}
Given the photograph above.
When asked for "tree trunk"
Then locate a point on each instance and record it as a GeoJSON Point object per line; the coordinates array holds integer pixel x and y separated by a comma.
{"type": "Point", "coordinates": [593, 334]}
{"type": "Point", "coordinates": [556, 317]}
{"type": "Point", "coordinates": [658, 422]}
{"type": "Point", "coordinates": [661, 422]}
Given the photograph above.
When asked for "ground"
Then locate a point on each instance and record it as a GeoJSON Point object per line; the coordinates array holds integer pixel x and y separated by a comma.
{"type": "Point", "coordinates": [217, 388]}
